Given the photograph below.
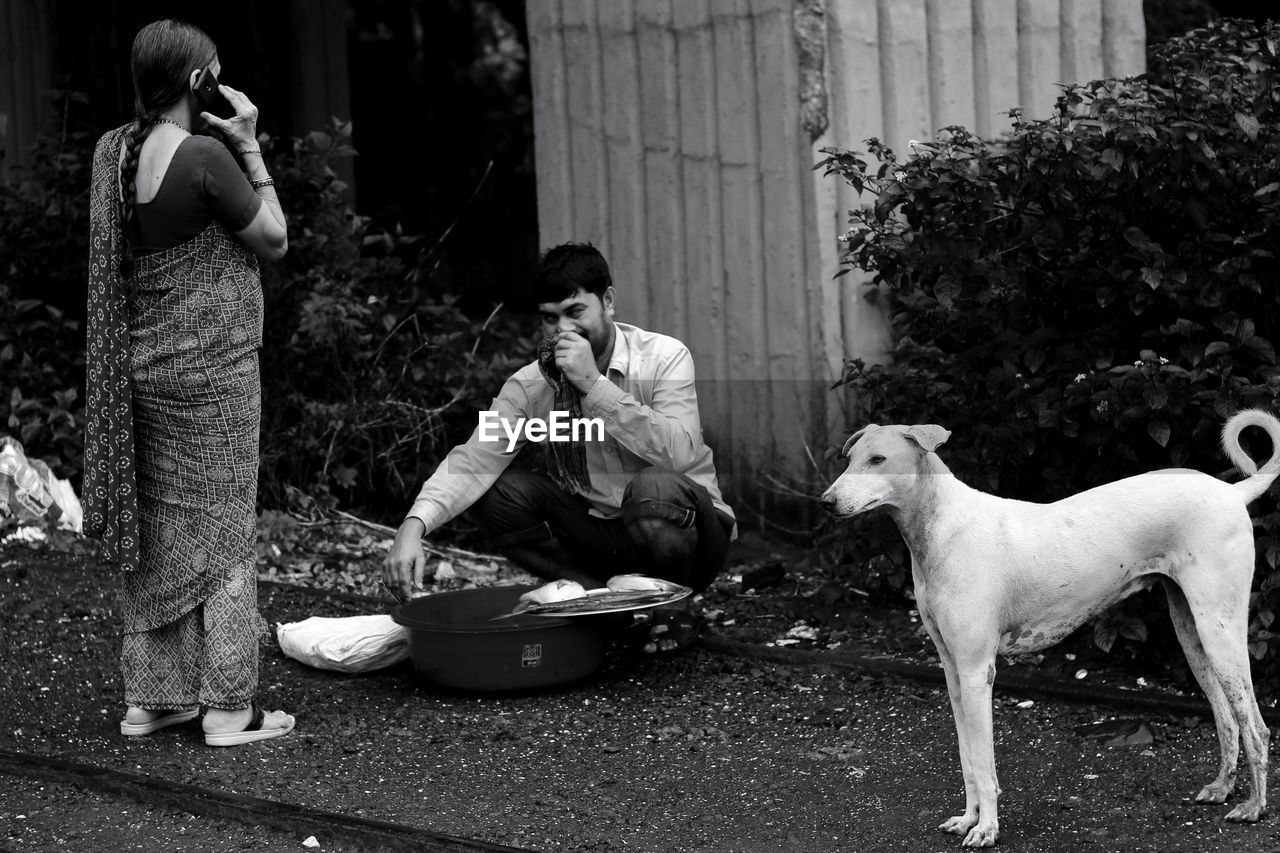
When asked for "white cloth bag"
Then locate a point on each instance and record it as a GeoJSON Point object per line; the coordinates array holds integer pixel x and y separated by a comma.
{"type": "Point", "coordinates": [346, 643]}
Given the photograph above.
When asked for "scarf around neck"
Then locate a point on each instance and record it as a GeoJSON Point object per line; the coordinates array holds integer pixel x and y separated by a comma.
{"type": "Point", "coordinates": [566, 460]}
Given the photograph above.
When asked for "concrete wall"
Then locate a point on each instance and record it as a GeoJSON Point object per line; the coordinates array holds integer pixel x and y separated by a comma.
{"type": "Point", "coordinates": [680, 137]}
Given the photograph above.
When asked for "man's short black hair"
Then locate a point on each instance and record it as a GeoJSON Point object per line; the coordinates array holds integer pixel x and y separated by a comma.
{"type": "Point", "coordinates": [563, 270]}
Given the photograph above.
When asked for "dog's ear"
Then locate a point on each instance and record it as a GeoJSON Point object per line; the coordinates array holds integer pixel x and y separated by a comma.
{"type": "Point", "coordinates": [853, 439]}
{"type": "Point", "coordinates": [928, 437]}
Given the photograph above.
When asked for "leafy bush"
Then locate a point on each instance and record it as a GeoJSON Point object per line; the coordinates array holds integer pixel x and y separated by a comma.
{"type": "Point", "coordinates": [44, 238]}
{"type": "Point", "coordinates": [370, 374]}
{"type": "Point", "coordinates": [1090, 296]}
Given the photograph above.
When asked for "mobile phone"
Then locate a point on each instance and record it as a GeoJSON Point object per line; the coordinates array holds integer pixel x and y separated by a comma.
{"type": "Point", "coordinates": [208, 96]}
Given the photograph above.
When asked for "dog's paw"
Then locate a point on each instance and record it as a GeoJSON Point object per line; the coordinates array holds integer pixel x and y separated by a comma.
{"type": "Point", "coordinates": [1216, 791]}
{"type": "Point", "coordinates": [960, 824]}
{"type": "Point", "coordinates": [1250, 811]}
{"type": "Point", "coordinates": [982, 835]}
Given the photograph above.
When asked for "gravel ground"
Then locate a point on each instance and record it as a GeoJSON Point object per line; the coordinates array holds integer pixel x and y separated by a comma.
{"type": "Point", "coordinates": [697, 752]}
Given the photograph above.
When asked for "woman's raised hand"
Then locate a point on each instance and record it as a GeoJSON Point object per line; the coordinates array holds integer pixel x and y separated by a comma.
{"type": "Point", "coordinates": [241, 131]}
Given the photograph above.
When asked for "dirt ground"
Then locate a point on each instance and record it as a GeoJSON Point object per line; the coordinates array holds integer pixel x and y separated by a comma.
{"type": "Point", "coordinates": [704, 751]}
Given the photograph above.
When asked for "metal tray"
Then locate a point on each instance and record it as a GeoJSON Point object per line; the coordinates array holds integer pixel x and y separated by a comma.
{"type": "Point", "coordinates": [600, 601]}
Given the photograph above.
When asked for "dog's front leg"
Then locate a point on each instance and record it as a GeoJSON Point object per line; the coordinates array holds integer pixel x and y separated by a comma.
{"type": "Point", "coordinates": [975, 677]}
{"type": "Point", "coordinates": [961, 823]}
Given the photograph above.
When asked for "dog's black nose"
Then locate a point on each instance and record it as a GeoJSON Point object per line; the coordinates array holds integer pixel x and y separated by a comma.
{"type": "Point", "coordinates": [828, 503]}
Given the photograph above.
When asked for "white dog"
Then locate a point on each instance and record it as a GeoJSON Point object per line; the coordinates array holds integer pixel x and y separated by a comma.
{"type": "Point", "coordinates": [995, 576]}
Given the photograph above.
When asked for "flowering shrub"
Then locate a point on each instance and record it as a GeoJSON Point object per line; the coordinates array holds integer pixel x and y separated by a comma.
{"type": "Point", "coordinates": [1091, 295]}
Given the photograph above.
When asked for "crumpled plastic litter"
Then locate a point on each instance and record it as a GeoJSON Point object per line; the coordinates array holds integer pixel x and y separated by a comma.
{"type": "Point", "coordinates": [345, 643]}
{"type": "Point", "coordinates": [41, 497]}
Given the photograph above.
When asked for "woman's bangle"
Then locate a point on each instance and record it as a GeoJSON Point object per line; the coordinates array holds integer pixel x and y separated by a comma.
{"type": "Point", "coordinates": [249, 150]}
{"type": "Point", "coordinates": [262, 182]}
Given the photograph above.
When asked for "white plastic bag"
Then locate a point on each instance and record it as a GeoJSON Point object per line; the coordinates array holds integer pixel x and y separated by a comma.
{"type": "Point", "coordinates": [345, 644]}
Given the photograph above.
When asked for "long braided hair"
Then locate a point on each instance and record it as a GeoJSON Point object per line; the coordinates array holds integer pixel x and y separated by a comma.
{"type": "Point", "coordinates": [164, 55]}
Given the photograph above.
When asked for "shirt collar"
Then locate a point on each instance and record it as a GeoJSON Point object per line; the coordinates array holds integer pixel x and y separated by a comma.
{"type": "Point", "coordinates": [620, 360]}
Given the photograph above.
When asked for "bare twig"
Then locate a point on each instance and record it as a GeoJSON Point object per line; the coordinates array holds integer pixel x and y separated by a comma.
{"type": "Point", "coordinates": [372, 525]}
{"type": "Point", "coordinates": [445, 236]}
{"type": "Point", "coordinates": [328, 454]}
{"type": "Point", "coordinates": [487, 320]}
{"type": "Point", "coordinates": [446, 551]}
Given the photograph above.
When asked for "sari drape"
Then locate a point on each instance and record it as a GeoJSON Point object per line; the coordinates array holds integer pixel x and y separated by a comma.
{"type": "Point", "coordinates": [173, 409]}
{"type": "Point", "coordinates": [109, 497]}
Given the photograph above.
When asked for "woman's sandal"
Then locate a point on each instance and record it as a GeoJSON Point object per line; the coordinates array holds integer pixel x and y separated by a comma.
{"type": "Point", "coordinates": [251, 733]}
{"type": "Point", "coordinates": [163, 721]}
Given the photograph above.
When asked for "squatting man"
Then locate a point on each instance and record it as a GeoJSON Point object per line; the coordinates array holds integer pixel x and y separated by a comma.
{"type": "Point", "coordinates": [625, 484]}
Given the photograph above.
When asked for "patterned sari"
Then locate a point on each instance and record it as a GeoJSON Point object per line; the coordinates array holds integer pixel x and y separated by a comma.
{"type": "Point", "coordinates": [171, 453]}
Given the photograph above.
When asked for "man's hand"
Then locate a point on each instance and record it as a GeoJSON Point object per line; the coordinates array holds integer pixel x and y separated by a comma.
{"type": "Point", "coordinates": [406, 562]}
{"type": "Point", "coordinates": [576, 360]}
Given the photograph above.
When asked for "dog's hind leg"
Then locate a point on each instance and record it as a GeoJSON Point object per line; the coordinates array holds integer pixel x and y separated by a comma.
{"type": "Point", "coordinates": [1184, 625]}
{"type": "Point", "coordinates": [1222, 625]}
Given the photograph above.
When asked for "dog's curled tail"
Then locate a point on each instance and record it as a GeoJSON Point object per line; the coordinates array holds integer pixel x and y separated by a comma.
{"type": "Point", "coordinates": [1258, 479]}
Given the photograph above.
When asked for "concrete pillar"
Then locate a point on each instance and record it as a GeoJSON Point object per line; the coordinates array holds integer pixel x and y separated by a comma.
{"type": "Point", "coordinates": [951, 71]}
{"type": "Point", "coordinates": [1081, 40]}
{"type": "Point", "coordinates": [1039, 56]}
{"type": "Point", "coordinates": [1124, 38]}
{"type": "Point", "coordinates": [995, 64]}
{"type": "Point", "coordinates": [625, 239]}
{"type": "Point", "coordinates": [904, 72]}
{"type": "Point", "coordinates": [556, 200]}
{"type": "Point", "coordinates": [737, 126]}
{"type": "Point", "coordinates": [585, 95]}
{"type": "Point", "coordinates": [704, 264]}
{"type": "Point", "coordinates": [663, 194]}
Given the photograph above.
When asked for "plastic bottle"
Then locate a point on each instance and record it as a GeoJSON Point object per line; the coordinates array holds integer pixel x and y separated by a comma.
{"type": "Point", "coordinates": [30, 495]}
{"type": "Point", "coordinates": [8, 467]}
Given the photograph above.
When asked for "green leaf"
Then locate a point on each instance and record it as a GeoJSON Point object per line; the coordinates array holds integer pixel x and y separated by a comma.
{"type": "Point", "coordinates": [1159, 432]}
{"type": "Point", "coordinates": [1248, 124]}
{"type": "Point", "coordinates": [1139, 240]}
{"type": "Point", "coordinates": [1104, 635]}
{"type": "Point", "coordinates": [1260, 348]}
{"type": "Point", "coordinates": [1134, 628]}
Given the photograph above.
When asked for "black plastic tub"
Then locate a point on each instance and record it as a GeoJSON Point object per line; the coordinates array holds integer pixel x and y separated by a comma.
{"type": "Point", "coordinates": [456, 642]}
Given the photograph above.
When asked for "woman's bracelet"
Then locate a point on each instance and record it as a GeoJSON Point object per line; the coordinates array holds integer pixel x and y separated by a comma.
{"type": "Point", "coordinates": [249, 150]}
{"type": "Point", "coordinates": [262, 182]}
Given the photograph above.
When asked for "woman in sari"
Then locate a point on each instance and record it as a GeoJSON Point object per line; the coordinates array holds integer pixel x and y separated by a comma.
{"type": "Point", "coordinates": [173, 402]}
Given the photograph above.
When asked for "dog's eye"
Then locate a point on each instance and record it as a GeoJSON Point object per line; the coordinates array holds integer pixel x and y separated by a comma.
{"type": "Point", "coordinates": [876, 460]}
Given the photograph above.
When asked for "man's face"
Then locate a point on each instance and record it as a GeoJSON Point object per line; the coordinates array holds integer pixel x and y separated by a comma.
{"type": "Point", "coordinates": [586, 314]}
